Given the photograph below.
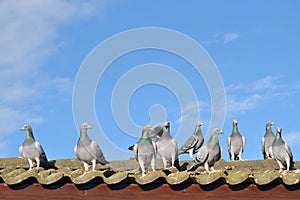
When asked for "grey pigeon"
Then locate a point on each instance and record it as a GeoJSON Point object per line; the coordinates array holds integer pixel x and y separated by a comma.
{"type": "Point", "coordinates": [194, 142]}
{"type": "Point", "coordinates": [153, 134]}
{"type": "Point", "coordinates": [267, 140]}
{"type": "Point", "coordinates": [236, 143]}
{"type": "Point", "coordinates": [87, 150]}
{"type": "Point", "coordinates": [282, 153]}
{"type": "Point", "coordinates": [31, 149]}
{"type": "Point", "coordinates": [167, 147]}
{"type": "Point", "coordinates": [145, 151]}
{"type": "Point", "coordinates": [210, 153]}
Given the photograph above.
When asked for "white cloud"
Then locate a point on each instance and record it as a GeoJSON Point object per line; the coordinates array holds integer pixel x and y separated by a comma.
{"type": "Point", "coordinates": [292, 138]}
{"type": "Point", "coordinates": [267, 83]}
{"type": "Point", "coordinates": [29, 35]}
{"type": "Point", "coordinates": [229, 37]}
{"type": "Point", "coordinates": [240, 104]}
{"type": "Point", "coordinates": [243, 97]}
{"type": "Point", "coordinates": [190, 113]}
{"type": "Point", "coordinates": [223, 38]}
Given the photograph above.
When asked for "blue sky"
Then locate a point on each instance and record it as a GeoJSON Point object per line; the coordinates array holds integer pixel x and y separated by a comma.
{"type": "Point", "coordinates": [43, 45]}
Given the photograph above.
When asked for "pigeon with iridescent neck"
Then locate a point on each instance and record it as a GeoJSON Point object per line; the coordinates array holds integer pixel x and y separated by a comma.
{"type": "Point", "coordinates": [31, 149]}
{"type": "Point", "coordinates": [87, 150]}
{"type": "Point", "coordinates": [210, 153]}
{"type": "Point", "coordinates": [267, 140]}
{"type": "Point", "coordinates": [194, 142]}
{"type": "Point", "coordinates": [167, 147]}
{"type": "Point", "coordinates": [145, 151]}
{"type": "Point", "coordinates": [236, 143]}
{"type": "Point", "coordinates": [282, 153]}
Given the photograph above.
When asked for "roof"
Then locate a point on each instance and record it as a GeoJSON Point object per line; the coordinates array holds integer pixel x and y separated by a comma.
{"type": "Point", "coordinates": [14, 171]}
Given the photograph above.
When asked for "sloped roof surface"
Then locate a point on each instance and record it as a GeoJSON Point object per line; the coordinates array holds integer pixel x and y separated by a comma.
{"type": "Point", "coordinates": [14, 171]}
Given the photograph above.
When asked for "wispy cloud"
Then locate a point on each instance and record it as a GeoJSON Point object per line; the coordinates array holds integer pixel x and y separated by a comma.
{"type": "Point", "coordinates": [229, 37]}
{"type": "Point", "coordinates": [190, 112]}
{"type": "Point", "coordinates": [243, 97]}
{"type": "Point", "coordinates": [223, 38]}
{"type": "Point", "coordinates": [29, 35]}
{"type": "Point", "coordinates": [292, 138]}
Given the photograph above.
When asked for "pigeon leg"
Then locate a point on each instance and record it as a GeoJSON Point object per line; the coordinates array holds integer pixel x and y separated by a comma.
{"type": "Point", "coordinates": [153, 163]}
{"type": "Point", "coordinates": [142, 165]}
{"type": "Point", "coordinates": [173, 161]}
{"type": "Point", "coordinates": [164, 162]}
{"type": "Point", "coordinates": [206, 167]}
{"type": "Point", "coordinates": [232, 156]}
{"type": "Point", "coordinates": [86, 167]}
{"type": "Point", "coordinates": [37, 160]}
{"type": "Point", "coordinates": [191, 153]}
{"type": "Point", "coordinates": [94, 165]}
{"type": "Point", "coordinates": [212, 170]}
{"type": "Point", "coordinates": [30, 164]}
{"type": "Point", "coordinates": [288, 164]}
{"type": "Point", "coordinates": [281, 167]}
{"type": "Point", "coordinates": [240, 155]}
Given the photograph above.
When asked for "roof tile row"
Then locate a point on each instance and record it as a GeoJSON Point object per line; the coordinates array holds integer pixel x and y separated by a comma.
{"type": "Point", "coordinates": [260, 172]}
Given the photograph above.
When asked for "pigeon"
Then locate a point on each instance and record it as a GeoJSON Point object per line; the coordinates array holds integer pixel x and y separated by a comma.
{"type": "Point", "coordinates": [31, 149]}
{"type": "Point", "coordinates": [210, 153]}
{"type": "Point", "coordinates": [153, 134]}
{"type": "Point", "coordinates": [87, 150]}
{"type": "Point", "coordinates": [282, 153]}
{"type": "Point", "coordinates": [236, 143]}
{"type": "Point", "coordinates": [194, 142]}
{"type": "Point", "coordinates": [267, 140]}
{"type": "Point", "coordinates": [145, 151]}
{"type": "Point", "coordinates": [167, 147]}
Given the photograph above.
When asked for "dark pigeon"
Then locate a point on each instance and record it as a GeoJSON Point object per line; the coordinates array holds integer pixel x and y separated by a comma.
{"type": "Point", "coordinates": [210, 153]}
{"type": "Point", "coordinates": [194, 142]}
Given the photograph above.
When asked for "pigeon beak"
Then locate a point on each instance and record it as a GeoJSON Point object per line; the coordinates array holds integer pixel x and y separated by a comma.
{"type": "Point", "coordinates": [200, 123]}
{"type": "Point", "coordinates": [167, 124]}
{"type": "Point", "coordinates": [221, 131]}
{"type": "Point", "coordinates": [272, 123]}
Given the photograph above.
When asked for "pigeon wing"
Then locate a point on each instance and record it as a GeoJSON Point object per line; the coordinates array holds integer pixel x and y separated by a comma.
{"type": "Point", "coordinates": [263, 145]}
{"type": "Point", "coordinates": [244, 142]}
{"type": "Point", "coordinates": [202, 155]}
{"type": "Point", "coordinates": [189, 144]}
{"type": "Point", "coordinates": [155, 147]}
{"type": "Point", "coordinates": [155, 133]}
{"type": "Point", "coordinates": [229, 146]}
{"type": "Point", "coordinates": [135, 150]}
{"type": "Point", "coordinates": [98, 153]}
{"type": "Point", "coordinates": [288, 150]}
{"type": "Point", "coordinates": [271, 151]}
{"type": "Point", "coordinates": [21, 150]}
{"type": "Point", "coordinates": [39, 148]}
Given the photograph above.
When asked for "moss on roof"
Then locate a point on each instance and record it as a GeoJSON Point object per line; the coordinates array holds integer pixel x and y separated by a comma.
{"type": "Point", "coordinates": [260, 172]}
